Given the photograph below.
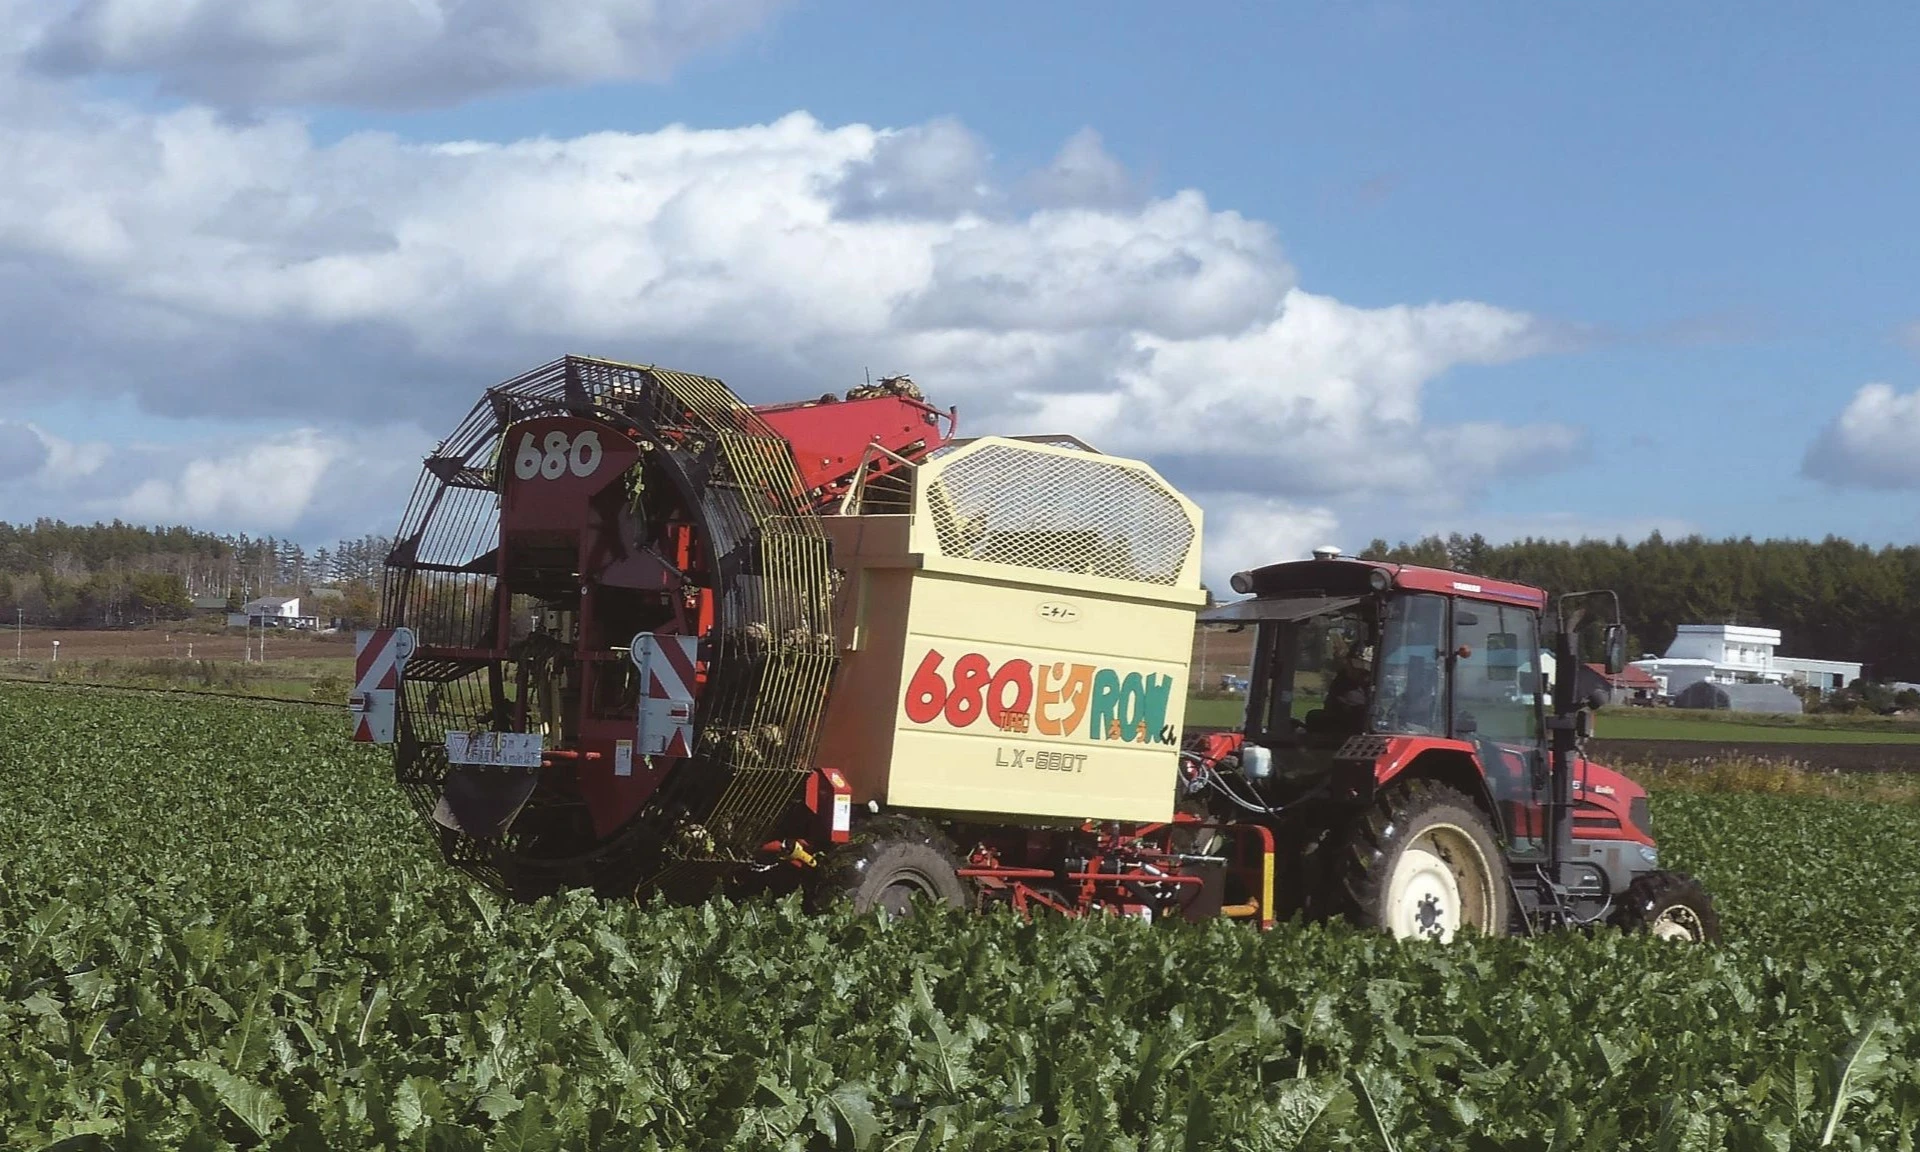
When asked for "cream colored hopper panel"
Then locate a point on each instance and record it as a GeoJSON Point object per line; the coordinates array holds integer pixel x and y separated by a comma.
{"type": "Point", "coordinates": [1017, 645]}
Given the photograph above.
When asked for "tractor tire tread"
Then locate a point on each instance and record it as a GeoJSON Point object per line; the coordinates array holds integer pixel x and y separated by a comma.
{"type": "Point", "coordinates": [1360, 886]}
{"type": "Point", "coordinates": [881, 845]}
{"type": "Point", "coordinates": [1651, 891]}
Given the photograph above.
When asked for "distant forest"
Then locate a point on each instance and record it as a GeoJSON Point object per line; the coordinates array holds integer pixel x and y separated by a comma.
{"type": "Point", "coordinates": [114, 575]}
{"type": "Point", "coordinates": [1831, 600]}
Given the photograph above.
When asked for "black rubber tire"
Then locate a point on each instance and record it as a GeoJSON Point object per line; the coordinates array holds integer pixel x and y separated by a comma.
{"type": "Point", "coordinates": [887, 864]}
{"type": "Point", "coordinates": [1448, 827]}
{"type": "Point", "coordinates": [1671, 898]}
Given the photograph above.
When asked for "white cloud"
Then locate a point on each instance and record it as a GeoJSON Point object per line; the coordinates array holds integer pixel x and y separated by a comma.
{"type": "Point", "coordinates": [71, 461]}
{"type": "Point", "coordinates": [23, 451]}
{"type": "Point", "coordinates": [380, 53]}
{"type": "Point", "coordinates": [1241, 532]}
{"type": "Point", "coordinates": [935, 170]}
{"type": "Point", "coordinates": [1083, 174]}
{"type": "Point", "coordinates": [1873, 443]}
{"type": "Point", "coordinates": [245, 250]}
{"type": "Point", "coordinates": [304, 483]}
{"type": "Point", "coordinates": [217, 269]}
{"type": "Point", "coordinates": [262, 483]}
{"type": "Point", "coordinates": [1322, 399]}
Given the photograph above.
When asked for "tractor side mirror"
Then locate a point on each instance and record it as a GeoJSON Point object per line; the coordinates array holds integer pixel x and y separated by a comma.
{"type": "Point", "coordinates": [1616, 649]}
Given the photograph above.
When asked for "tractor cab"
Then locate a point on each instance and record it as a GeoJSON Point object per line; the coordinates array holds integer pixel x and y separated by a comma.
{"type": "Point", "coordinates": [1344, 648]}
{"type": "Point", "coordinates": [1375, 687]}
{"type": "Point", "coordinates": [1349, 653]}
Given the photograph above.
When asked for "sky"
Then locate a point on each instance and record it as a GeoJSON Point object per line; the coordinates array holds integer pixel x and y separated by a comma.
{"type": "Point", "coordinates": [1338, 271]}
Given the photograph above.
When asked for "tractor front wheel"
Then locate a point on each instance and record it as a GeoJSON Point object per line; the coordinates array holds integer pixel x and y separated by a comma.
{"type": "Point", "coordinates": [1669, 906]}
{"type": "Point", "coordinates": [890, 864]}
{"type": "Point", "coordinates": [1423, 864]}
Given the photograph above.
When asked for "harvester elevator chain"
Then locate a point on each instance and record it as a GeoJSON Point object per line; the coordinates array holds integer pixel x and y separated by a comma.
{"type": "Point", "coordinates": [770, 650]}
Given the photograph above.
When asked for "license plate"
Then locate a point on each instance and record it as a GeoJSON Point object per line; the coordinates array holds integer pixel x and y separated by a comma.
{"type": "Point", "coordinates": [495, 749]}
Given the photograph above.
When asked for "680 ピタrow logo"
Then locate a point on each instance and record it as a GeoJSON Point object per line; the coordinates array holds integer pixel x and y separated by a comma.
{"type": "Point", "coordinates": [1050, 699]}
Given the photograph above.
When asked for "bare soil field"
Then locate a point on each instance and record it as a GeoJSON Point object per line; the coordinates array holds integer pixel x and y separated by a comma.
{"type": "Point", "coordinates": [296, 665]}
{"type": "Point", "coordinates": [1217, 651]}
{"type": "Point", "coordinates": [1827, 756]}
{"type": "Point", "coordinates": [36, 644]}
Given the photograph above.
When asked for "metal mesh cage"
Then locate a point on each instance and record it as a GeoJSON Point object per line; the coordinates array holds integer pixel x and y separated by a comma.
{"type": "Point", "coordinates": [772, 653]}
{"type": "Point", "coordinates": [1005, 503]}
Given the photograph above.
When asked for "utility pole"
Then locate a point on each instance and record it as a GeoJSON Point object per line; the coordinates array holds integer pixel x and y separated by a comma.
{"type": "Point", "coordinates": [19, 617]}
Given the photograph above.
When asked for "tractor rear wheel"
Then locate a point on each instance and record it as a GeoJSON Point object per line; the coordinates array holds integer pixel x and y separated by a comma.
{"type": "Point", "coordinates": [1423, 864]}
{"type": "Point", "coordinates": [889, 864]}
{"type": "Point", "coordinates": [1669, 906]}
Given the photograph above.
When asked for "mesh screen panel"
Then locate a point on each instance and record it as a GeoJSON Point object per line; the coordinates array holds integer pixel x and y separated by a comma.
{"type": "Point", "coordinates": [772, 656]}
{"type": "Point", "coordinates": [1060, 513]}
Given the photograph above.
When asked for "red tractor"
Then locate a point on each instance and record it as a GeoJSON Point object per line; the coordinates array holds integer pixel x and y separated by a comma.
{"type": "Point", "coordinates": [1402, 734]}
{"type": "Point", "coordinates": [639, 635]}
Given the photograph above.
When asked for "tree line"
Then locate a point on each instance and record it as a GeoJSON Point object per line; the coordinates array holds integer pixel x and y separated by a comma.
{"type": "Point", "coordinates": [1831, 599]}
{"type": "Point", "coordinates": [111, 575]}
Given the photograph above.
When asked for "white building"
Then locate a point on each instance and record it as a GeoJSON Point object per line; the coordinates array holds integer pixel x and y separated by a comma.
{"type": "Point", "coordinates": [271, 612]}
{"type": "Point", "coordinates": [1739, 654]}
{"type": "Point", "coordinates": [1826, 675]}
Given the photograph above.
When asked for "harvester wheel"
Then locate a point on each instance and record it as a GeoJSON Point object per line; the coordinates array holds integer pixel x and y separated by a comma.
{"type": "Point", "coordinates": [1423, 864]}
{"type": "Point", "coordinates": [1670, 906]}
{"type": "Point", "coordinates": [887, 865]}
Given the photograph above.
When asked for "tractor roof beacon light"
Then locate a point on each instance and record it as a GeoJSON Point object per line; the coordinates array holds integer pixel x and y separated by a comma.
{"type": "Point", "coordinates": [1379, 580]}
{"type": "Point", "coordinates": [1326, 552]}
{"type": "Point", "coordinates": [1241, 582]}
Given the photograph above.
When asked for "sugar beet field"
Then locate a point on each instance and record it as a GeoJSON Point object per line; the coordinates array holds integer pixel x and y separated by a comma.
{"type": "Point", "coordinates": [220, 929]}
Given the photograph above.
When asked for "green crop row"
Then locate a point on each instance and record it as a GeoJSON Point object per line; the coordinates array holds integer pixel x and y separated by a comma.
{"type": "Point", "coordinates": [220, 927]}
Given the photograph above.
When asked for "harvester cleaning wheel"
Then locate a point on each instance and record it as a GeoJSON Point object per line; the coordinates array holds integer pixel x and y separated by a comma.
{"type": "Point", "coordinates": [1670, 906]}
{"type": "Point", "coordinates": [889, 865]}
{"type": "Point", "coordinates": [1423, 864]}
{"type": "Point", "coordinates": [622, 600]}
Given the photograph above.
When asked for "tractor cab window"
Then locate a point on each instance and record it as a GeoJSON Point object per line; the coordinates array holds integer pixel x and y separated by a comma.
{"type": "Point", "coordinates": [1312, 678]}
{"type": "Point", "coordinates": [1497, 707]}
{"type": "Point", "coordinates": [1494, 683]}
{"type": "Point", "coordinates": [1411, 693]}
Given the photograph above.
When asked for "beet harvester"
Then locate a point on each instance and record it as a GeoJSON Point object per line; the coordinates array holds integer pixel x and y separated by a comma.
{"type": "Point", "coordinates": [639, 635]}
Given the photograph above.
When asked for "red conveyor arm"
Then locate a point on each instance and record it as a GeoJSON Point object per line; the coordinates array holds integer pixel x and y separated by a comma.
{"type": "Point", "coordinates": [830, 436]}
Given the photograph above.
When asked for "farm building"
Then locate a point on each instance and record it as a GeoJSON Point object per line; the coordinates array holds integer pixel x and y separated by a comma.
{"type": "Point", "coordinates": [1739, 654]}
{"type": "Point", "coordinates": [1738, 697]}
{"type": "Point", "coordinates": [1632, 686]}
{"type": "Point", "coordinates": [271, 612]}
{"type": "Point", "coordinates": [1826, 675]}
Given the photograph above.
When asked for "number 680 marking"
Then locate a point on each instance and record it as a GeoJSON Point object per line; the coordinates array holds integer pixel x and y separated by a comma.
{"type": "Point", "coordinates": [579, 455]}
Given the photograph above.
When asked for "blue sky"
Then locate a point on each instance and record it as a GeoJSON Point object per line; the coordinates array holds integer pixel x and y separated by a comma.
{"type": "Point", "coordinates": [1705, 218]}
